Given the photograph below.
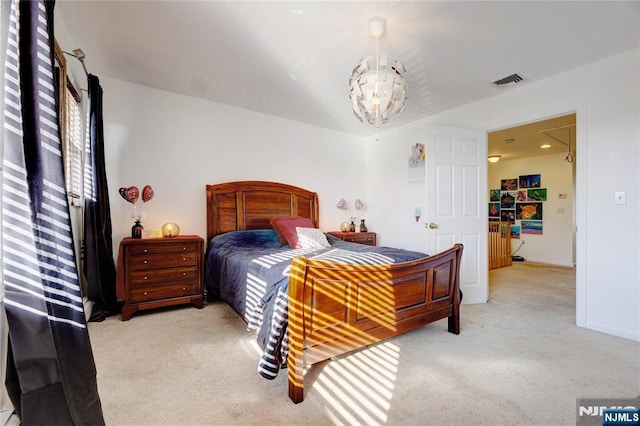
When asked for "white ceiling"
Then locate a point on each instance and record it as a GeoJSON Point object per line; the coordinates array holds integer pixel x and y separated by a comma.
{"type": "Point", "coordinates": [293, 59]}
{"type": "Point", "coordinates": [558, 133]}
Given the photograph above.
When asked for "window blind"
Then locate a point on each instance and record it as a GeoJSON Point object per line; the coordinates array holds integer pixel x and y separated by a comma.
{"type": "Point", "coordinates": [73, 142]}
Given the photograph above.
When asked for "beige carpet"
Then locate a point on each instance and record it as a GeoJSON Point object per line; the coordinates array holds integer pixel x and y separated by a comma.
{"type": "Point", "coordinates": [519, 359]}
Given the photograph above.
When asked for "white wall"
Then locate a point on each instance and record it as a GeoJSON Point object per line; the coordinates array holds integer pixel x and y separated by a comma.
{"type": "Point", "coordinates": [393, 193]}
{"type": "Point", "coordinates": [608, 111]}
{"type": "Point", "coordinates": [178, 144]}
{"type": "Point", "coordinates": [555, 245]}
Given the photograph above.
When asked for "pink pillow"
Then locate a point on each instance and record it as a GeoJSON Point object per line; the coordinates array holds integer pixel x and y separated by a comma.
{"type": "Point", "coordinates": [288, 228]}
{"type": "Point", "coordinates": [274, 224]}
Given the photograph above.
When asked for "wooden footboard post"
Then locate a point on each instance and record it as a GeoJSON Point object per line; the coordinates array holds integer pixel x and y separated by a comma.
{"type": "Point", "coordinates": [295, 357]}
{"type": "Point", "coordinates": [454, 319]}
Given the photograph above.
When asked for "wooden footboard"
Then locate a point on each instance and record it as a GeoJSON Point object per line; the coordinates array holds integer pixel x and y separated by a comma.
{"type": "Point", "coordinates": [337, 308]}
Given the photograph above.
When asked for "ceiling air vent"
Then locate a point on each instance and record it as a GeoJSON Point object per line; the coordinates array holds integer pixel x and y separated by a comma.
{"type": "Point", "coordinates": [510, 80]}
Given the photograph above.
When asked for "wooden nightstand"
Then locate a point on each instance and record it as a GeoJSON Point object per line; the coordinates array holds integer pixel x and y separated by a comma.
{"type": "Point", "coordinates": [158, 272]}
{"type": "Point", "coordinates": [367, 238]}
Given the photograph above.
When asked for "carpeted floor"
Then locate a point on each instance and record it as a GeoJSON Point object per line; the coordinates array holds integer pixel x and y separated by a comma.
{"type": "Point", "coordinates": [519, 360]}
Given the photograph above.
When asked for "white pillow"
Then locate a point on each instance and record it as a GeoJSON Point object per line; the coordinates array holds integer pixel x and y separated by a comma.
{"type": "Point", "coordinates": [311, 238]}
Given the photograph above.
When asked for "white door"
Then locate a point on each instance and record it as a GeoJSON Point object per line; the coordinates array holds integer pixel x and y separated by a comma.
{"type": "Point", "coordinates": [456, 202]}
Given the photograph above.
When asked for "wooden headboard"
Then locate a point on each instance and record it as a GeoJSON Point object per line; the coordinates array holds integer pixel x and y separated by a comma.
{"type": "Point", "coordinates": [236, 206]}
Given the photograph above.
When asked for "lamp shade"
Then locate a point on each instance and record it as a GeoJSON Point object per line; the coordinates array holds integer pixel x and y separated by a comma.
{"type": "Point", "coordinates": [378, 91]}
{"type": "Point", "coordinates": [170, 230]}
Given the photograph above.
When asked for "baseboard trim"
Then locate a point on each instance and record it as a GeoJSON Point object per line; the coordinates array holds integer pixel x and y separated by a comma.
{"type": "Point", "coordinates": [549, 262]}
{"type": "Point", "coordinates": [613, 331]}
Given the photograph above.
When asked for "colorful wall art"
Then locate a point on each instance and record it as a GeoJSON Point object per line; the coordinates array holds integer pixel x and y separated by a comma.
{"type": "Point", "coordinates": [508, 199]}
{"type": "Point", "coordinates": [539, 194]}
{"type": "Point", "coordinates": [508, 215]}
{"type": "Point", "coordinates": [508, 184]}
{"type": "Point", "coordinates": [494, 209]}
{"type": "Point", "coordinates": [416, 163]}
{"type": "Point", "coordinates": [417, 157]}
{"type": "Point", "coordinates": [531, 227]}
{"type": "Point", "coordinates": [529, 211]}
{"type": "Point", "coordinates": [521, 200]}
{"type": "Point", "coordinates": [529, 181]}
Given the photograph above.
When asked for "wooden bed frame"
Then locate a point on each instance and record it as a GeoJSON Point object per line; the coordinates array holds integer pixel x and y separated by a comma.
{"type": "Point", "coordinates": [337, 308]}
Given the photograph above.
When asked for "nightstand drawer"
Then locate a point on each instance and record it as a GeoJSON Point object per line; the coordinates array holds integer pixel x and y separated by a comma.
{"type": "Point", "coordinates": [164, 248]}
{"type": "Point", "coordinates": [361, 240]}
{"type": "Point", "coordinates": [366, 238]}
{"type": "Point", "coordinates": [143, 294]}
{"type": "Point", "coordinates": [151, 261]}
{"type": "Point", "coordinates": [161, 276]}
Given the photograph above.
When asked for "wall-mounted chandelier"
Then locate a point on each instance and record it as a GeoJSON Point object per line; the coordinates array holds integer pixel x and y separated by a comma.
{"type": "Point", "coordinates": [377, 86]}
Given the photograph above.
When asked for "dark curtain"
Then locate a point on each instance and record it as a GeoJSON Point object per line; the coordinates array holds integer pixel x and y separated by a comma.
{"type": "Point", "coordinates": [51, 375]}
{"type": "Point", "coordinates": [98, 267]}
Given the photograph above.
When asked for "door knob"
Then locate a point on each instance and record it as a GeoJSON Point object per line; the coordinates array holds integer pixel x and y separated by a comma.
{"type": "Point", "coordinates": [433, 225]}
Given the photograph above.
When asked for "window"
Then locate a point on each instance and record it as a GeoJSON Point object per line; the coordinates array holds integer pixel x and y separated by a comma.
{"type": "Point", "coordinates": [71, 130]}
{"type": "Point", "coordinates": [72, 144]}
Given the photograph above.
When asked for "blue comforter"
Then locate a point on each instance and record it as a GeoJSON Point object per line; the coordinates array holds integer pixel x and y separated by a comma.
{"type": "Point", "coordinates": [249, 270]}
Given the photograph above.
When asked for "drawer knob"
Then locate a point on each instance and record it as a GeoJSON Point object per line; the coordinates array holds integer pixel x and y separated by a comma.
{"type": "Point", "coordinates": [184, 259]}
{"type": "Point", "coordinates": [184, 274]}
{"type": "Point", "coordinates": [146, 250]}
{"type": "Point", "coordinates": [145, 293]}
{"type": "Point", "coordinates": [146, 278]}
{"type": "Point", "coordinates": [184, 249]}
{"type": "Point", "coordinates": [184, 289]}
{"type": "Point", "coordinates": [145, 262]}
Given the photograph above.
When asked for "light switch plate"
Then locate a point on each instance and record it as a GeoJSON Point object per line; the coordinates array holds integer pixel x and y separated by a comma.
{"type": "Point", "coordinates": [620, 198]}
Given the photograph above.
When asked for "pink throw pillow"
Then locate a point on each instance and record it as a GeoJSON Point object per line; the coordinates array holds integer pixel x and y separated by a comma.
{"type": "Point", "coordinates": [274, 224]}
{"type": "Point", "coordinates": [288, 228]}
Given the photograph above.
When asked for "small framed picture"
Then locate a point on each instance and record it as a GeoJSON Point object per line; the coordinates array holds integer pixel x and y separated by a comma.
{"type": "Point", "coordinates": [529, 181]}
{"type": "Point", "coordinates": [508, 215]}
{"type": "Point", "coordinates": [529, 211]}
{"type": "Point", "coordinates": [538, 194]}
{"type": "Point", "coordinates": [531, 227]}
{"type": "Point", "coordinates": [494, 209]}
{"type": "Point", "coordinates": [509, 184]}
{"type": "Point", "coordinates": [508, 199]}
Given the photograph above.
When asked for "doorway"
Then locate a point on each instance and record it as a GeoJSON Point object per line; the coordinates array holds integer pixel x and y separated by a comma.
{"type": "Point", "coordinates": [532, 184]}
